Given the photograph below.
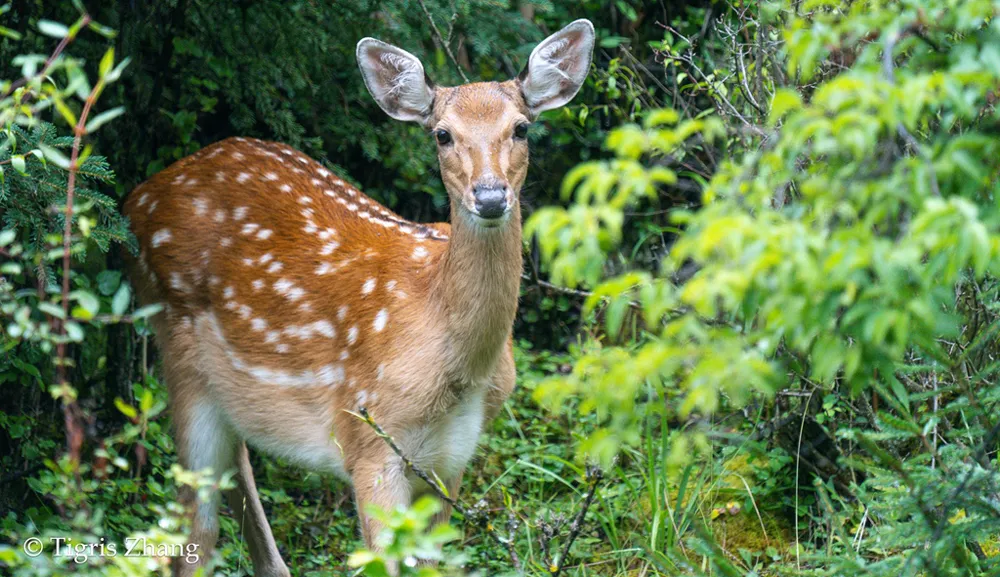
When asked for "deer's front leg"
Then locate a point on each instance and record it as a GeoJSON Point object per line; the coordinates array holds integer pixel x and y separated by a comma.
{"type": "Point", "coordinates": [379, 479]}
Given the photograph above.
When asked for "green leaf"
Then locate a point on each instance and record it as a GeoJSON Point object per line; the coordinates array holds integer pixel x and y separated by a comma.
{"type": "Point", "coordinates": [104, 117]}
{"type": "Point", "coordinates": [108, 281]}
{"type": "Point", "coordinates": [17, 161]}
{"type": "Point", "coordinates": [147, 311]}
{"type": "Point", "coordinates": [53, 29]}
{"type": "Point", "coordinates": [52, 309]}
{"type": "Point", "coordinates": [121, 300]}
{"type": "Point", "coordinates": [125, 408]}
{"type": "Point", "coordinates": [90, 305]}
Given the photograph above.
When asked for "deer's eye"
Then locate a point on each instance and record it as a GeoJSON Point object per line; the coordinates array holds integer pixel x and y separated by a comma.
{"type": "Point", "coordinates": [521, 131]}
{"type": "Point", "coordinates": [443, 137]}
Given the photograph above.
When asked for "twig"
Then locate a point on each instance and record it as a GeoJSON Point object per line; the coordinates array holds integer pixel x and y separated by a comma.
{"type": "Point", "coordinates": [444, 43]}
{"type": "Point", "coordinates": [594, 475]}
{"type": "Point", "coordinates": [474, 515]}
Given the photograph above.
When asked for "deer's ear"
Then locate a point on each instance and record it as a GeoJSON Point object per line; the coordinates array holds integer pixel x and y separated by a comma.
{"type": "Point", "coordinates": [396, 79]}
{"type": "Point", "coordinates": [557, 67]}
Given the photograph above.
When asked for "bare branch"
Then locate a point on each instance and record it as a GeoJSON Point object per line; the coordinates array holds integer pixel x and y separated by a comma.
{"type": "Point", "coordinates": [441, 39]}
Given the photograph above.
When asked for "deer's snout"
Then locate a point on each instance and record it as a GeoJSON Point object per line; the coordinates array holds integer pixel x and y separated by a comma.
{"type": "Point", "coordinates": [491, 199]}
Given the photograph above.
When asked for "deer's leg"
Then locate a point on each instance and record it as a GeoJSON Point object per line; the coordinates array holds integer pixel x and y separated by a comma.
{"type": "Point", "coordinates": [379, 479]}
{"type": "Point", "coordinates": [204, 439]}
{"type": "Point", "coordinates": [245, 503]}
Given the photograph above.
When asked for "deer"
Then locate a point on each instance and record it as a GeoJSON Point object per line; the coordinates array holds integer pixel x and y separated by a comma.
{"type": "Point", "coordinates": [292, 300]}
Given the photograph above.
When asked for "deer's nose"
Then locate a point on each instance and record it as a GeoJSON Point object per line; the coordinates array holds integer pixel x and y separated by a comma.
{"type": "Point", "coordinates": [491, 200]}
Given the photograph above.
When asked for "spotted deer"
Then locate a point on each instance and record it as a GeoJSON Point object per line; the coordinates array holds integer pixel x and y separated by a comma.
{"type": "Point", "coordinates": [292, 299]}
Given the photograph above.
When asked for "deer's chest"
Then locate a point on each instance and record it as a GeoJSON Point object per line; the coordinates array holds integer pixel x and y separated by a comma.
{"type": "Point", "coordinates": [446, 445]}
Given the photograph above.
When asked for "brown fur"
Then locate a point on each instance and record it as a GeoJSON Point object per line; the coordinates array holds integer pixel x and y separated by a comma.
{"type": "Point", "coordinates": [276, 364]}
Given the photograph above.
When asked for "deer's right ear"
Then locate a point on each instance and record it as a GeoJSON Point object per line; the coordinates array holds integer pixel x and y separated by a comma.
{"type": "Point", "coordinates": [396, 79]}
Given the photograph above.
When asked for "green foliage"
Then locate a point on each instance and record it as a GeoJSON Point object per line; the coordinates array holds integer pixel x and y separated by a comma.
{"type": "Point", "coordinates": [839, 252]}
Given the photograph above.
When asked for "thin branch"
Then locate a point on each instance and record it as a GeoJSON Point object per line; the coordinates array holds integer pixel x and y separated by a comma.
{"type": "Point", "coordinates": [594, 475]}
{"type": "Point", "coordinates": [441, 39]}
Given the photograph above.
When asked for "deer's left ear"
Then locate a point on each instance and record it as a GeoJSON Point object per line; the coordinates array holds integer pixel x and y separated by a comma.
{"type": "Point", "coordinates": [557, 67]}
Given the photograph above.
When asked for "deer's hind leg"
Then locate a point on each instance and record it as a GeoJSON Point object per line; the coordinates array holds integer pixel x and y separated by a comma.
{"type": "Point", "coordinates": [204, 440]}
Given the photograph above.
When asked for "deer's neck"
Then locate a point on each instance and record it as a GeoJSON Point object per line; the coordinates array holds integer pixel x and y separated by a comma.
{"type": "Point", "coordinates": [477, 285]}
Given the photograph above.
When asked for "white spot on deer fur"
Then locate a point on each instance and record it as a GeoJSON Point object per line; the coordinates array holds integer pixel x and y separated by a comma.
{"type": "Point", "coordinates": [161, 236]}
{"type": "Point", "coordinates": [271, 176]}
{"type": "Point", "coordinates": [419, 253]}
{"type": "Point", "coordinates": [220, 216]}
{"type": "Point", "coordinates": [287, 289]}
{"type": "Point", "coordinates": [302, 159]}
{"type": "Point", "coordinates": [380, 372]}
{"type": "Point", "coordinates": [368, 287]}
{"type": "Point", "coordinates": [361, 397]}
{"type": "Point", "coordinates": [306, 307]}
{"type": "Point", "coordinates": [258, 284]}
{"type": "Point", "coordinates": [213, 280]}
{"type": "Point", "coordinates": [264, 234]}
{"type": "Point", "coordinates": [220, 176]}
{"type": "Point", "coordinates": [329, 247]}
{"type": "Point", "coordinates": [258, 324]}
{"type": "Point", "coordinates": [225, 241]}
{"type": "Point", "coordinates": [248, 262]}
{"type": "Point", "coordinates": [275, 267]}
{"type": "Point", "coordinates": [344, 355]}
{"type": "Point", "coordinates": [316, 182]}
{"type": "Point", "coordinates": [323, 172]}
{"type": "Point", "coordinates": [390, 285]}
{"type": "Point", "coordinates": [380, 320]}
{"type": "Point", "coordinates": [243, 177]}
{"type": "Point", "coordinates": [240, 212]}
{"type": "Point", "coordinates": [325, 328]}
{"type": "Point", "coordinates": [272, 336]}
{"type": "Point", "coordinates": [327, 233]}
{"type": "Point", "coordinates": [286, 188]}
{"type": "Point", "coordinates": [191, 182]}
{"type": "Point", "coordinates": [238, 155]}
{"type": "Point", "coordinates": [310, 227]}
{"type": "Point", "coordinates": [282, 348]}
{"type": "Point", "coordinates": [245, 312]}
{"type": "Point", "coordinates": [341, 312]}
{"type": "Point", "coordinates": [179, 178]}
{"type": "Point", "coordinates": [352, 207]}
{"type": "Point", "coordinates": [331, 374]}
{"type": "Point", "coordinates": [350, 191]}
{"type": "Point", "coordinates": [265, 258]}
{"type": "Point", "coordinates": [143, 199]}
{"type": "Point", "coordinates": [352, 335]}
{"type": "Point", "coordinates": [231, 305]}
{"type": "Point", "coordinates": [200, 206]}
{"type": "Point", "coordinates": [305, 200]}
{"type": "Point", "coordinates": [228, 292]}
{"type": "Point", "coordinates": [152, 207]}
{"type": "Point", "coordinates": [177, 283]}
{"type": "Point", "coordinates": [249, 227]}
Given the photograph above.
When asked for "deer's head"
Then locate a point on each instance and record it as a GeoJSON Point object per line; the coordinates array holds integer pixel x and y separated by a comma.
{"type": "Point", "coordinates": [480, 128]}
